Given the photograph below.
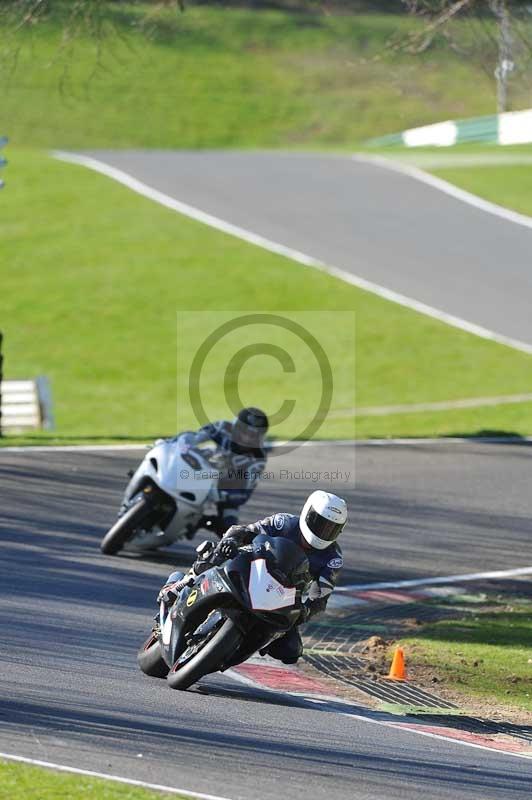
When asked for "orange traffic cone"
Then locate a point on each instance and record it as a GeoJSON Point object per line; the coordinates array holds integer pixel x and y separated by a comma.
{"type": "Point", "coordinates": [397, 670]}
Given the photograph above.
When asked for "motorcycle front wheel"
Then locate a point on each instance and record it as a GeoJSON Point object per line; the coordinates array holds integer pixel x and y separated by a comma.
{"type": "Point", "coordinates": [126, 526]}
{"type": "Point", "coordinates": [150, 659]}
{"type": "Point", "coordinates": [196, 662]}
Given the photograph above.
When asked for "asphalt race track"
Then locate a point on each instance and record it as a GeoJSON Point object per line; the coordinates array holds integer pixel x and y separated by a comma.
{"type": "Point", "coordinates": [380, 225]}
{"type": "Point", "coordinates": [71, 621]}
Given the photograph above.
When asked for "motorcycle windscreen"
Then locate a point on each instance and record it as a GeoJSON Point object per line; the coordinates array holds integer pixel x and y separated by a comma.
{"type": "Point", "coordinates": [266, 593]}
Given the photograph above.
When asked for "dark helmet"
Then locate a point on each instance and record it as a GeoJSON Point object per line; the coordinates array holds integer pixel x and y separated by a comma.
{"type": "Point", "coordinates": [249, 429]}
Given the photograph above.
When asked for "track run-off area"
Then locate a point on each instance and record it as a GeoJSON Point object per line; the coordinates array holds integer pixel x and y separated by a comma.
{"type": "Point", "coordinates": [72, 620]}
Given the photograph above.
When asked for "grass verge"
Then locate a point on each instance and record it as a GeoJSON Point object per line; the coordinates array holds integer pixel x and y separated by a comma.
{"type": "Point", "coordinates": [19, 781]}
{"type": "Point", "coordinates": [484, 657]}
{"type": "Point", "coordinates": [508, 185]}
{"type": "Point", "coordinates": [501, 174]}
{"type": "Point", "coordinates": [95, 278]}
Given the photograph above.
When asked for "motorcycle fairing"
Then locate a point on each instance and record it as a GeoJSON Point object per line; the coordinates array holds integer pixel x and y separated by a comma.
{"type": "Point", "coordinates": [265, 592]}
{"type": "Point", "coordinates": [244, 587]}
{"type": "Point", "coordinates": [166, 625]}
{"type": "Point", "coordinates": [187, 482]}
{"type": "Point", "coordinates": [173, 472]}
{"type": "Point", "coordinates": [210, 591]}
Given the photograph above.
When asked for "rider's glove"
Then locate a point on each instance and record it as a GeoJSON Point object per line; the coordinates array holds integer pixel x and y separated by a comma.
{"type": "Point", "coordinates": [228, 548]}
{"type": "Point", "coordinates": [236, 532]}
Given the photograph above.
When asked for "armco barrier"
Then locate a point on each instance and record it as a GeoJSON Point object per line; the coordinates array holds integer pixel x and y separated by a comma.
{"type": "Point", "coordinates": [26, 405]}
{"type": "Point", "coordinates": [514, 127]}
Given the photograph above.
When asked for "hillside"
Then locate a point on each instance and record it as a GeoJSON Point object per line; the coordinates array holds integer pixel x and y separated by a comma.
{"type": "Point", "coordinates": [229, 77]}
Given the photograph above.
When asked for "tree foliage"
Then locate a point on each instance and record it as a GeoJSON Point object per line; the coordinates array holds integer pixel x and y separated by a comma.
{"type": "Point", "coordinates": [499, 35]}
{"type": "Point", "coordinates": [94, 19]}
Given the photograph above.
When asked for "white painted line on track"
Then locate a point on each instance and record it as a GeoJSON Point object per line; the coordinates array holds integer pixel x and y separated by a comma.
{"type": "Point", "coordinates": [446, 187]}
{"type": "Point", "coordinates": [445, 579]}
{"type": "Point", "coordinates": [418, 408]}
{"type": "Point", "coordinates": [102, 448]}
{"type": "Point", "coordinates": [403, 725]}
{"type": "Point", "coordinates": [116, 778]}
{"type": "Point", "coordinates": [449, 739]}
{"type": "Point", "coordinates": [453, 160]}
{"type": "Point", "coordinates": [391, 442]}
{"type": "Point", "coordinates": [72, 448]}
{"type": "Point", "coordinates": [302, 258]}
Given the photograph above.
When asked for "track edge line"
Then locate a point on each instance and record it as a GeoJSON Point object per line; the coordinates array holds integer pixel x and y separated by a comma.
{"type": "Point", "coordinates": [114, 778]}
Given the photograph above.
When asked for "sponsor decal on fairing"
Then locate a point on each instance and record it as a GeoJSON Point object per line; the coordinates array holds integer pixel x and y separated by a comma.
{"type": "Point", "coordinates": [265, 592]}
{"type": "Point", "coordinates": [191, 599]}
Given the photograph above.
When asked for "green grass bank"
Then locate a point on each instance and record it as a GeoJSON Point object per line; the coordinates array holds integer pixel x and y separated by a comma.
{"type": "Point", "coordinates": [485, 656]}
{"type": "Point", "coordinates": [232, 77]}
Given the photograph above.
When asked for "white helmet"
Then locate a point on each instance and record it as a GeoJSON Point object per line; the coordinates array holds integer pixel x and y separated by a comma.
{"type": "Point", "coordinates": [322, 519]}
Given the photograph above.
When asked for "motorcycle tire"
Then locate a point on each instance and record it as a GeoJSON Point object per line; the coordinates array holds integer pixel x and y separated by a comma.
{"type": "Point", "coordinates": [125, 527]}
{"type": "Point", "coordinates": [150, 660]}
{"type": "Point", "coordinates": [209, 659]}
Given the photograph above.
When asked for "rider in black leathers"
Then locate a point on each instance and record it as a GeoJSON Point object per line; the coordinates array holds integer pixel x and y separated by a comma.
{"type": "Point", "coordinates": [315, 530]}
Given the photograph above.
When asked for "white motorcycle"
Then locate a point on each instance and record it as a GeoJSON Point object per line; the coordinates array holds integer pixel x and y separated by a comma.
{"type": "Point", "coordinates": [165, 499]}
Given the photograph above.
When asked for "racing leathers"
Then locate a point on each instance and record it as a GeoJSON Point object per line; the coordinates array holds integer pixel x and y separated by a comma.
{"type": "Point", "coordinates": [239, 469]}
{"type": "Point", "coordinates": [325, 566]}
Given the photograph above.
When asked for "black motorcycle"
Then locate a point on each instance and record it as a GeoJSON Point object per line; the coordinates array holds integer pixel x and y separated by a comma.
{"type": "Point", "coordinates": [228, 612]}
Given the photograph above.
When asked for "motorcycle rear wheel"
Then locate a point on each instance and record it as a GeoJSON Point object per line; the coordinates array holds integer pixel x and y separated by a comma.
{"type": "Point", "coordinates": [150, 659]}
{"type": "Point", "coordinates": [210, 658]}
{"type": "Point", "coordinates": [126, 526]}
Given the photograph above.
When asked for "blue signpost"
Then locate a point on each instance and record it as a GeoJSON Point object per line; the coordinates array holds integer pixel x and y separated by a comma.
{"type": "Point", "coordinates": [3, 162]}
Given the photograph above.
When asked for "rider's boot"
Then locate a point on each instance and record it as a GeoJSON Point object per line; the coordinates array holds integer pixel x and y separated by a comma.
{"type": "Point", "coordinates": [169, 592]}
{"type": "Point", "coordinates": [177, 581]}
{"type": "Point", "coordinates": [288, 648]}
